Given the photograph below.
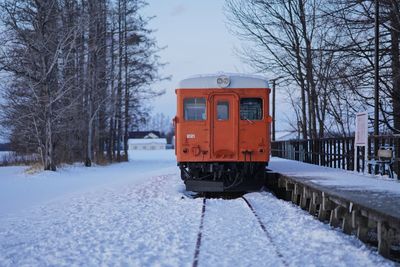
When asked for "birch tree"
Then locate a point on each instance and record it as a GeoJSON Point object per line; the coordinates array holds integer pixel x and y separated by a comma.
{"type": "Point", "coordinates": [77, 76]}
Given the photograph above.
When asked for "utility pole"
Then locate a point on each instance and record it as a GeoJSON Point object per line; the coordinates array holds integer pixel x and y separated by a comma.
{"type": "Point", "coordinates": [273, 104]}
{"type": "Point", "coordinates": [376, 85]}
{"type": "Point", "coordinates": [273, 109]}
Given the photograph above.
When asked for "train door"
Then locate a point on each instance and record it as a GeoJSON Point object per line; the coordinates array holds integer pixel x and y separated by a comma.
{"type": "Point", "coordinates": [224, 127]}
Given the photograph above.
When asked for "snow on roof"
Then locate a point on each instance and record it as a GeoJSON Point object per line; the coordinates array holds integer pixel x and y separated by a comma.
{"type": "Point", "coordinates": [151, 136]}
{"type": "Point", "coordinates": [236, 80]}
{"type": "Point", "coordinates": [140, 141]}
{"type": "Point", "coordinates": [286, 135]}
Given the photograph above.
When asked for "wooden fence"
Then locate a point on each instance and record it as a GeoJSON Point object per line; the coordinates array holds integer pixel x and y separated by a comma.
{"type": "Point", "coordinates": [338, 152]}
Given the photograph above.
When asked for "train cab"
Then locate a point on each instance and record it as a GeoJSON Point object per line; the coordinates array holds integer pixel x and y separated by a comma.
{"type": "Point", "coordinates": [222, 129]}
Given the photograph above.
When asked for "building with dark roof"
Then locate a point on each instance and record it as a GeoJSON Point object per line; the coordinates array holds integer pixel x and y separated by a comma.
{"type": "Point", "coordinates": [144, 134]}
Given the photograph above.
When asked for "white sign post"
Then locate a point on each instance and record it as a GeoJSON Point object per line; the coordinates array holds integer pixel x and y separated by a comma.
{"type": "Point", "coordinates": [361, 137]}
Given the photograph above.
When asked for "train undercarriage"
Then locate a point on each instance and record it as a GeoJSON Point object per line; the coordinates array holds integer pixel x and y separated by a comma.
{"type": "Point", "coordinates": [223, 176]}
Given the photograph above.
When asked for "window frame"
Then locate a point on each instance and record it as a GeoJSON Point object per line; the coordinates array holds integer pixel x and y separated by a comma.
{"type": "Point", "coordinates": [261, 106]}
{"type": "Point", "coordinates": [227, 102]}
{"type": "Point", "coordinates": [184, 108]}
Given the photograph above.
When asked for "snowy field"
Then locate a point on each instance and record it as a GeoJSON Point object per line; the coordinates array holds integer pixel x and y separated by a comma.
{"type": "Point", "coordinates": [137, 214]}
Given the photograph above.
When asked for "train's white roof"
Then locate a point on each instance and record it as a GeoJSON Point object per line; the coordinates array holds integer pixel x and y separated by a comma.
{"type": "Point", "coordinates": [235, 81]}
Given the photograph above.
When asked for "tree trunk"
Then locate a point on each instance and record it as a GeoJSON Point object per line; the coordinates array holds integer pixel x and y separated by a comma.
{"type": "Point", "coordinates": [102, 77]}
{"type": "Point", "coordinates": [300, 73]}
{"type": "Point", "coordinates": [48, 160]}
{"type": "Point", "coordinates": [92, 78]}
{"type": "Point", "coordinates": [394, 20]}
{"type": "Point", "coordinates": [111, 133]}
{"type": "Point", "coordinates": [119, 90]}
{"type": "Point", "coordinates": [313, 105]}
{"type": "Point", "coordinates": [126, 109]}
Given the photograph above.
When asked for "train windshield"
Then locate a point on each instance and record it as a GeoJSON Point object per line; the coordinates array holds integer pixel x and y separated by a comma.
{"type": "Point", "coordinates": [194, 109]}
{"type": "Point", "coordinates": [251, 109]}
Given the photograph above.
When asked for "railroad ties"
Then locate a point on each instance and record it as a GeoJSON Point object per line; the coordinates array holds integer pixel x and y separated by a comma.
{"type": "Point", "coordinates": [196, 256]}
{"type": "Point", "coordinates": [356, 212]}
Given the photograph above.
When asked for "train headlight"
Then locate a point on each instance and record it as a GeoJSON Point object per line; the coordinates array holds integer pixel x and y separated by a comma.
{"type": "Point", "coordinates": [223, 81]}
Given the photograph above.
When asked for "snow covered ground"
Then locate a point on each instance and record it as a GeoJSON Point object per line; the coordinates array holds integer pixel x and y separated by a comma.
{"type": "Point", "coordinates": [19, 190]}
{"type": "Point", "coordinates": [137, 214]}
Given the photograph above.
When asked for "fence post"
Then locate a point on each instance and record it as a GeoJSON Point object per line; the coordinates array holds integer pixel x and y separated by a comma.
{"type": "Point", "coordinates": [334, 153]}
{"type": "Point", "coordinates": [352, 149]}
{"type": "Point", "coordinates": [396, 165]}
{"type": "Point", "coordinates": [370, 155]}
{"type": "Point", "coordinates": [343, 153]}
{"type": "Point", "coordinates": [330, 153]}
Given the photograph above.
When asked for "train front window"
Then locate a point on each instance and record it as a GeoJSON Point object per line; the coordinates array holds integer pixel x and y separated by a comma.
{"type": "Point", "coordinates": [223, 110]}
{"type": "Point", "coordinates": [194, 109]}
{"type": "Point", "coordinates": [251, 109]}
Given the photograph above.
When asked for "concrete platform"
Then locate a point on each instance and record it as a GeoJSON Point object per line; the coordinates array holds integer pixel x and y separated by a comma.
{"type": "Point", "coordinates": [364, 205]}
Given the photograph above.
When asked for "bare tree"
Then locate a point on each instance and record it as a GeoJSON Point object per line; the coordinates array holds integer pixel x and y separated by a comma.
{"type": "Point", "coordinates": [326, 49]}
{"type": "Point", "coordinates": [31, 53]}
{"type": "Point", "coordinates": [282, 34]}
{"type": "Point", "coordinates": [355, 22]}
{"type": "Point", "coordinates": [78, 75]}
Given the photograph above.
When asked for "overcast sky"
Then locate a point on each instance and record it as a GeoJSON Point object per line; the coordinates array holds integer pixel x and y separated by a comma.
{"type": "Point", "coordinates": [197, 41]}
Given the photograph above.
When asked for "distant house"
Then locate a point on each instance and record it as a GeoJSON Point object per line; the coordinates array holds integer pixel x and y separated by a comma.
{"type": "Point", "coordinates": [147, 143]}
{"type": "Point", "coordinates": [146, 140]}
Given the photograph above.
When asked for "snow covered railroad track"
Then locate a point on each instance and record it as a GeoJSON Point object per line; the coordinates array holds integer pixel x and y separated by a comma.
{"type": "Point", "coordinates": [229, 234]}
{"type": "Point", "coordinates": [265, 231]}
{"type": "Point", "coordinates": [199, 234]}
{"type": "Point", "coordinates": [259, 229]}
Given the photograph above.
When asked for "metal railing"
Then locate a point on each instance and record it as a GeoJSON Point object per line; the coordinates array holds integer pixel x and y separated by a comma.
{"type": "Point", "coordinates": [338, 152]}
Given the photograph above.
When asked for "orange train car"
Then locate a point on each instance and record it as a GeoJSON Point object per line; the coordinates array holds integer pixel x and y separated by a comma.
{"type": "Point", "coordinates": [222, 132]}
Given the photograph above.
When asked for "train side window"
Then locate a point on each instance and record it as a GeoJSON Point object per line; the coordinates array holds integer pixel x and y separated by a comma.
{"type": "Point", "coordinates": [251, 109]}
{"type": "Point", "coordinates": [222, 110]}
{"type": "Point", "coordinates": [194, 109]}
